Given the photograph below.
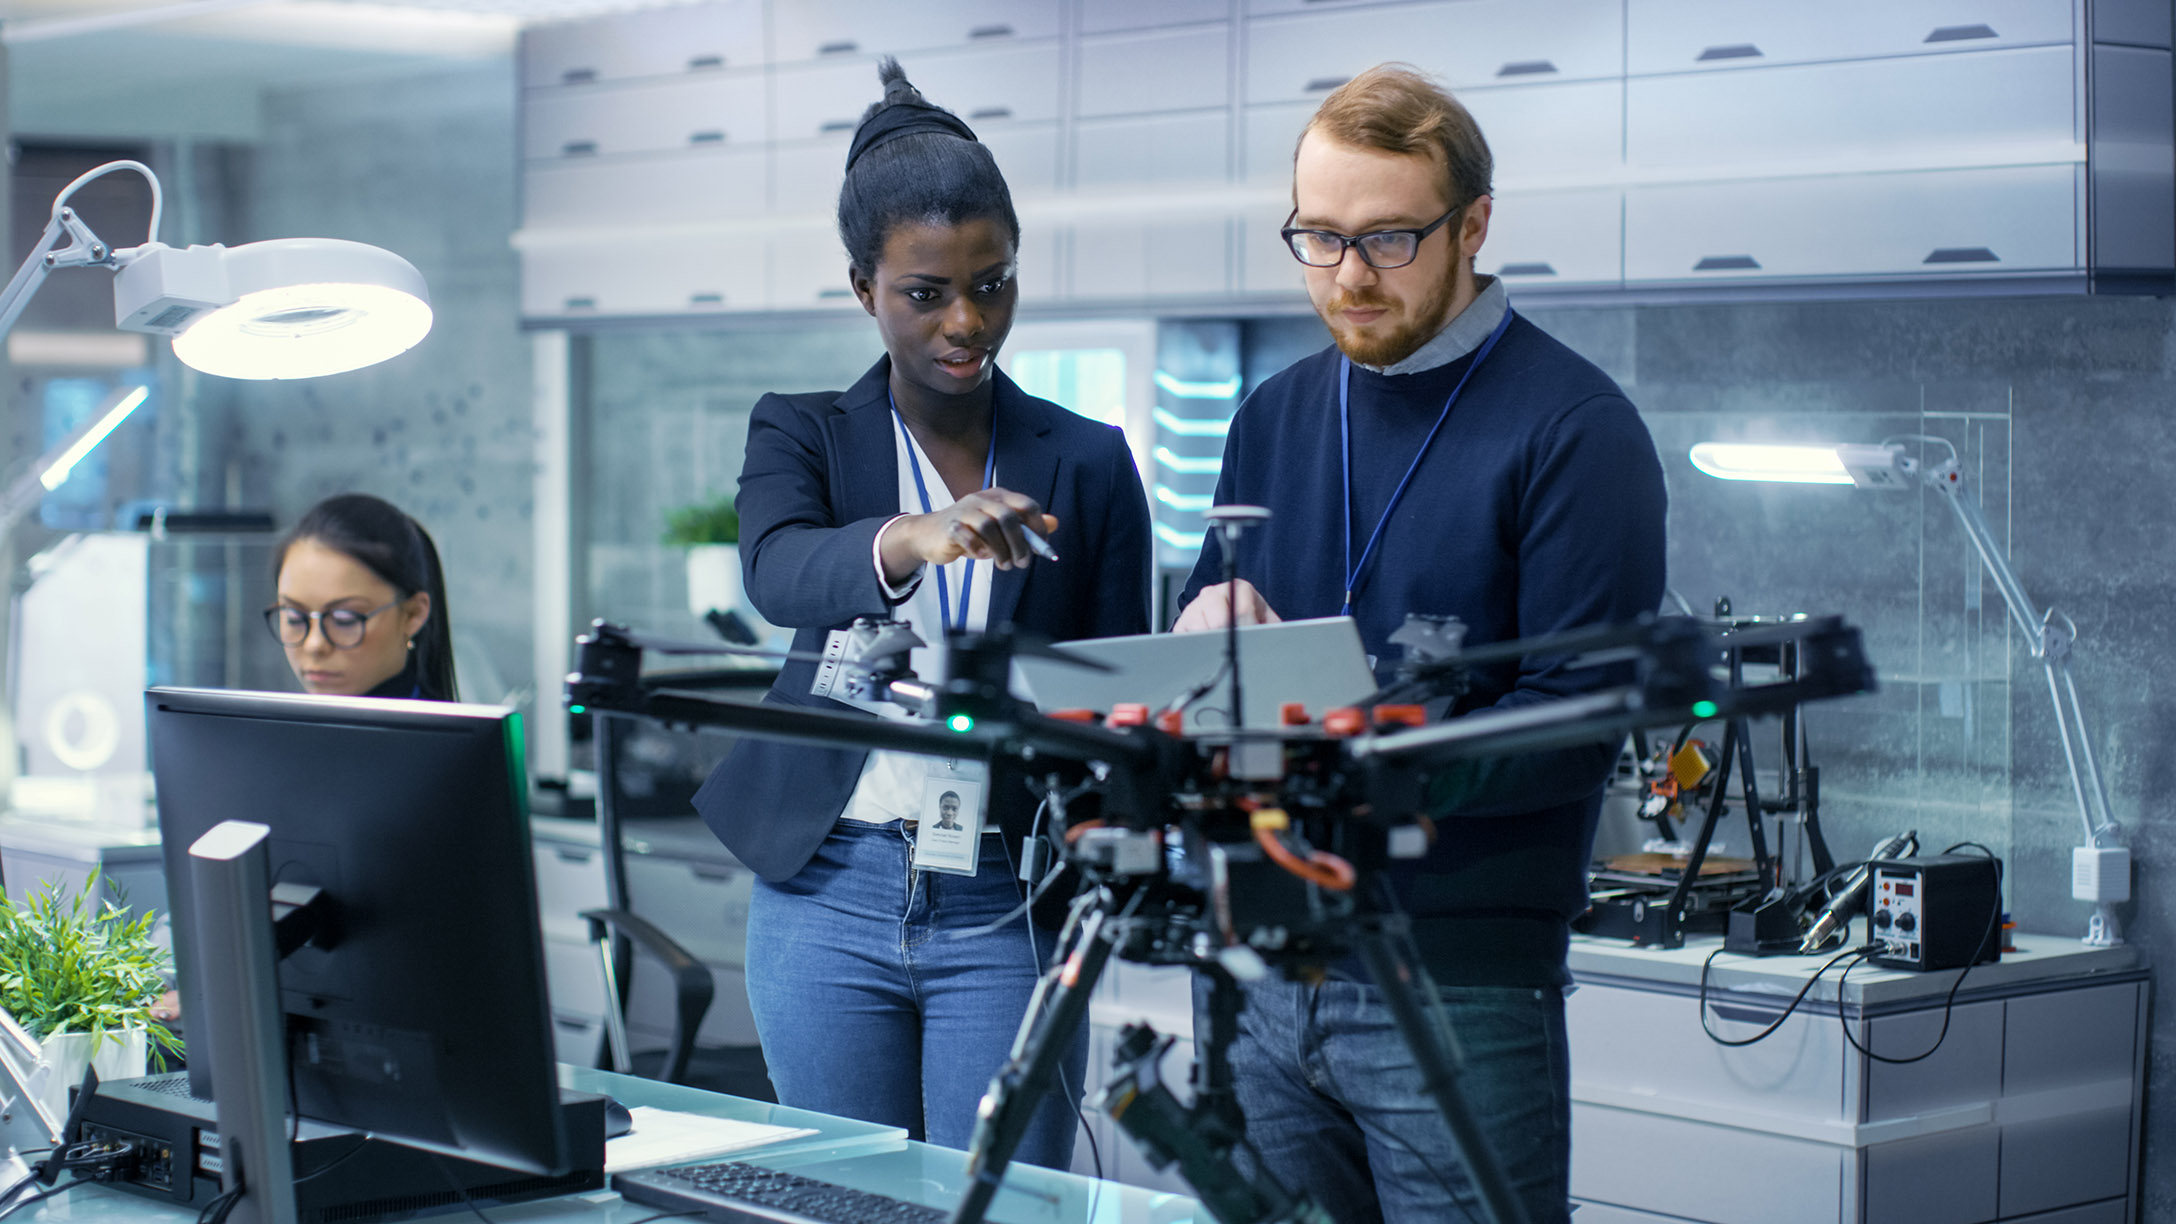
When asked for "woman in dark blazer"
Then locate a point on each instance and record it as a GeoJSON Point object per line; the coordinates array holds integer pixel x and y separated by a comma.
{"type": "Point", "coordinates": [887, 983]}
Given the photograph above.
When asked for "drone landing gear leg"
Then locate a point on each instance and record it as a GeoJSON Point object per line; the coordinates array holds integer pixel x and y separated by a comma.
{"type": "Point", "coordinates": [1021, 1084]}
{"type": "Point", "coordinates": [1199, 1140]}
{"type": "Point", "coordinates": [1435, 1053]}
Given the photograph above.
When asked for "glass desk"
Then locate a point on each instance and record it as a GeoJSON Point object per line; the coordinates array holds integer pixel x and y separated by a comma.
{"type": "Point", "coordinates": [858, 1154]}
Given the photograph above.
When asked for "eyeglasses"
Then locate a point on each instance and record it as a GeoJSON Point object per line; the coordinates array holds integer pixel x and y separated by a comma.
{"type": "Point", "coordinates": [1380, 249]}
{"type": "Point", "coordinates": [343, 627]}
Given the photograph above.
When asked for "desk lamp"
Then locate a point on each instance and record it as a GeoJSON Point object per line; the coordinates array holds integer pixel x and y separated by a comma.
{"type": "Point", "coordinates": [2100, 870]}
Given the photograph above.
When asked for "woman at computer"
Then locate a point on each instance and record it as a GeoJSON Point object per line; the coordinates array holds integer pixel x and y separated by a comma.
{"type": "Point", "coordinates": [885, 980]}
{"type": "Point", "coordinates": [361, 603]}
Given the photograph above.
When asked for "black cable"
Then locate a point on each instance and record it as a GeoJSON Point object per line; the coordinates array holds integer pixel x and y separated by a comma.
{"type": "Point", "coordinates": [1035, 960]}
{"type": "Point", "coordinates": [670, 1215]}
{"type": "Point", "coordinates": [361, 1142]}
{"type": "Point", "coordinates": [40, 1197]}
{"type": "Point", "coordinates": [1949, 1003]}
{"type": "Point", "coordinates": [220, 1204]}
{"type": "Point", "coordinates": [1763, 1035]}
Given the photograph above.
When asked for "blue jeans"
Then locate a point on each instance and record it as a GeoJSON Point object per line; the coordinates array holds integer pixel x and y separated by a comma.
{"type": "Point", "coordinates": [867, 1008]}
{"type": "Point", "coordinates": [1334, 1104]}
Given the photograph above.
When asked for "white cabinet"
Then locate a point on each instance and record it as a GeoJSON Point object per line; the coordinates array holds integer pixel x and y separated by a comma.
{"type": "Point", "coordinates": [674, 114]}
{"type": "Point", "coordinates": [1707, 35]}
{"type": "Point", "coordinates": [1545, 135]}
{"type": "Point", "coordinates": [640, 190]}
{"type": "Point", "coordinates": [1162, 70]}
{"type": "Point", "coordinates": [1998, 108]}
{"type": "Point", "coordinates": [2025, 1102]}
{"type": "Point", "coordinates": [1547, 238]}
{"type": "Point", "coordinates": [1158, 150]}
{"type": "Point", "coordinates": [1134, 260]}
{"type": "Point", "coordinates": [650, 43]}
{"type": "Point", "coordinates": [820, 29]}
{"type": "Point", "coordinates": [1266, 264]}
{"type": "Point", "coordinates": [984, 85]}
{"type": "Point", "coordinates": [1938, 222]}
{"type": "Point", "coordinates": [642, 275]}
{"type": "Point", "coordinates": [1104, 16]}
{"type": "Point", "coordinates": [1465, 42]}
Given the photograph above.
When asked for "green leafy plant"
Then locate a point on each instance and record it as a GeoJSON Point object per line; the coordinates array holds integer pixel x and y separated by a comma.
{"type": "Point", "coordinates": [67, 969]}
{"type": "Point", "coordinates": [712, 522]}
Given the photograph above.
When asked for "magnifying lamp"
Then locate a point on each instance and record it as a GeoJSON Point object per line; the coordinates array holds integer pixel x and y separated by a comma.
{"type": "Point", "coordinates": [283, 308]}
{"type": "Point", "coordinates": [2100, 870]}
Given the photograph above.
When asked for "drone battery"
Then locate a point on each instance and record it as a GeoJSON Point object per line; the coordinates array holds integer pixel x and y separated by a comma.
{"type": "Point", "coordinates": [1939, 911]}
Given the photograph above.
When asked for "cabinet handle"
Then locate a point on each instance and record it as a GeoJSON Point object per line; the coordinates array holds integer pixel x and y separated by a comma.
{"type": "Point", "coordinates": [578, 148]}
{"type": "Point", "coordinates": [702, 63]}
{"type": "Point", "coordinates": [1325, 84]}
{"type": "Point", "coordinates": [578, 76]}
{"type": "Point", "coordinates": [990, 112]}
{"type": "Point", "coordinates": [1726, 263]}
{"type": "Point", "coordinates": [1525, 68]}
{"type": "Point", "coordinates": [582, 303]}
{"type": "Point", "coordinates": [706, 299]}
{"type": "Point", "coordinates": [577, 857]}
{"type": "Point", "coordinates": [838, 125]}
{"type": "Point", "coordinates": [1743, 1015]}
{"type": "Point", "coordinates": [1526, 269]}
{"type": "Point", "coordinates": [834, 293]}
{"type": "Point", "coordinates": [1730, 51]}
{"type": "Point", "coordinates": [710, 137]}
{"type": "Point", "coordinates": [1962, 33]}
{"type": "Point", "coordinates": [715, 875]}
{"type": "Point", "coordinates": [989, 31]}
{"type": "Point", "coordinates": [572, 1026]}
{"type": "Point", "coordinates": [845, 46]}
{"type": "Point", "coordinates": [1950, 255]}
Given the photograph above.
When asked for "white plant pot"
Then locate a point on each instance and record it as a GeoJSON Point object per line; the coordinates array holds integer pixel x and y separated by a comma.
{"type": "Point", "coordinates": [121, 1055]}
{"type": "Point", "coordinates": [713, 577]}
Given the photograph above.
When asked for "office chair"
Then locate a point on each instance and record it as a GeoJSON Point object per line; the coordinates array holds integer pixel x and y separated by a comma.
{"type": "Point", "coordinates": [619, 933]}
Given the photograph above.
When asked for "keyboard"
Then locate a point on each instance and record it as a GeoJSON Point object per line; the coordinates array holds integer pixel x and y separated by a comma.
{"type": "Point", "coordinates": [738, 1192]}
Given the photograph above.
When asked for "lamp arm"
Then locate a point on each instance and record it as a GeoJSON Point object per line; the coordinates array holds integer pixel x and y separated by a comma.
{"type": "Point", "coordinates": [27, 279]}
{"type": "Point", "coordinates": [2051, 635]}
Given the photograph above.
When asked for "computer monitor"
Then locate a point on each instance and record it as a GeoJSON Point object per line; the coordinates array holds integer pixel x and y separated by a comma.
{"type": "Point", "coordinates": [425, 1021]}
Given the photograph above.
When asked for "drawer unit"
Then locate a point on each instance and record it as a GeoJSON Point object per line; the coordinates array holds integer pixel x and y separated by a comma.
{"type": "Point", "coordinates": [1710, 35]}
{"type": "Point", "coordinates": [1948, 222]}
{"type": "Point", "coordinates": [808, 173]}
{"type": "Point", "coordinates": [673, 189]}
{"type": "Point", "coordinates": [2020, 1103]}
{"type": "Point", "coordinates": [1152, 150]}
{"type": "Point", "coordinates": [650, 1008]}
{"type": "Point", "coordinates": [1266, 264]}
{"type": "Point", "coordinates": [577, 1040]}
{"type": "Point", "coordinates": [2000, 108]}
{"type": "Point", "coordinates": [650, 117]}
{"type": "Point", "coordinates": [702, 905]}
{"type": "Point", "coordinates": [647, 43]}
{"type": "Point", "coordinates": [575, 976]}
{"type": "Point", "coordinates": [835, 28]}
{"type": "Point", "coordinates": [808, 270]}
{"type": "Point", "coordinates": [984, 86]}
{"type": "Point", "coordinates": [1543, 134]}
{"type": "Point", "coordinates": [1465, 42]}
{"type": "Point", "coordinates": [1162, 70]}
{"type": "Point", "coordinates": [569, 879]}
{"type": "Point", "coordinates": [1268, 137]}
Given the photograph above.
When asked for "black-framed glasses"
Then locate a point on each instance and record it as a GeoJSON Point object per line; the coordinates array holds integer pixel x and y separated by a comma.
{"type": "Point", "coordinates": [1390, 248]}
{"type": "Point", "coordinates": [343, 627]}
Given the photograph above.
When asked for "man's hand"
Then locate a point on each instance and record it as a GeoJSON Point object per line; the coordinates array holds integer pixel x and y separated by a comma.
{"type": "Point", "coordinates": [1213, 608]}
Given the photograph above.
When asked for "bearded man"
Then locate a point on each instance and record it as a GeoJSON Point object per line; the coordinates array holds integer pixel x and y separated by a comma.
{"type": "Point", "coordinates": [1443, 456]}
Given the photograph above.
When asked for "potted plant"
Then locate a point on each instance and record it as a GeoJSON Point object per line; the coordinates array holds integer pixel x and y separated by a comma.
{"type": "Point", "coordinates": [710, 531]}
{"type": "Point", "coordinates": [81, 982]}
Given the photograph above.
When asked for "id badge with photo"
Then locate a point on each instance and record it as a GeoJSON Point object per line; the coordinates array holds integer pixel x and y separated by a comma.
{"type": "Point", "coordinates": [948, 832]}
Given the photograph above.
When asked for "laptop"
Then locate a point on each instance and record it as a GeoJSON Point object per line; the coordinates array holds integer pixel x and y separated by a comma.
{"type": "Point", "coordinates": [1318, 663]}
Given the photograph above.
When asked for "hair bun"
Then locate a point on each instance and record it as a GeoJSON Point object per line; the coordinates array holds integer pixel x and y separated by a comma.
{"type": "Point", "coordinates": [898, 89]}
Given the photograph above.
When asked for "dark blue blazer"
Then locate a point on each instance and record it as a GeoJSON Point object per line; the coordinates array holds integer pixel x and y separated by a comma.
{"type": "Point", "coordinates": [820, 477]}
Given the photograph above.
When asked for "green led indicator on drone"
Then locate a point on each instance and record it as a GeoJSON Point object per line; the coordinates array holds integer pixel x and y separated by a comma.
{"type": "Point", "coordinates": [962, 723]}
{"type": "Point", "coordinates": [577, 709]}
{"type": "Point", "coordinates": [1704, 709]}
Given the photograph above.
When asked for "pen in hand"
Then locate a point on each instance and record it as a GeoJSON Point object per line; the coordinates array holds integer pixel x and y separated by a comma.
{"type": "Point", "coordinates": [1037, 544]}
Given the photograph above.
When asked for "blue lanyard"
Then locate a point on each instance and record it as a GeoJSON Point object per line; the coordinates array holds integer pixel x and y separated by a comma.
{"type": "Point", "coordinates": [989, 477]}
{"type": "Point", "coordinates": [1353, 570]}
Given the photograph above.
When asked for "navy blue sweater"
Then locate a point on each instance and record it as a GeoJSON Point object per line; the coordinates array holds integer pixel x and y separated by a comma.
{"type": "Point", "coordinates": [1539, 507]}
